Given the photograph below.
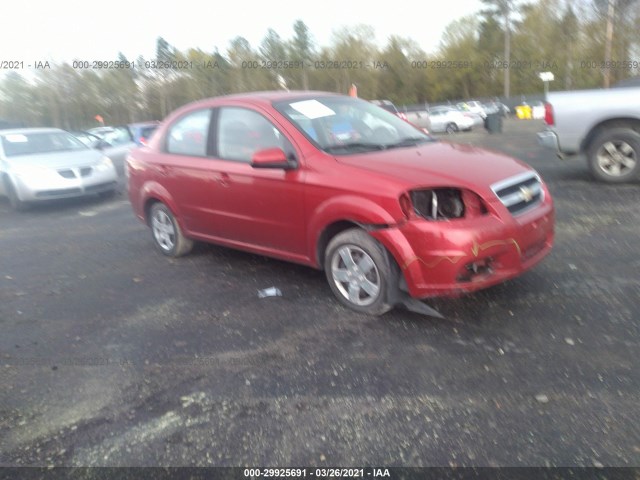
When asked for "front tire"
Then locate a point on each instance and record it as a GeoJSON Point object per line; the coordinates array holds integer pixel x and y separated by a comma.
{"type": "Point", "coordinates": [614, 155]}
{"type": "Point", "coordinates": [166, 232]}
{"type": "Point", "coordinates": [360, 272]}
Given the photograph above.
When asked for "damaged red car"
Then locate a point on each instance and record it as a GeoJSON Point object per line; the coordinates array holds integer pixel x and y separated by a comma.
{"type": "Point", "coordinates": [336, 183]}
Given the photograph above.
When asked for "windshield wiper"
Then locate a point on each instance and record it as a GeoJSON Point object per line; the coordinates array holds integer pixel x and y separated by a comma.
{"type": "Point", "coordinates": [409, 142]}
{"type": "Point", "coordinates": [355, 146]}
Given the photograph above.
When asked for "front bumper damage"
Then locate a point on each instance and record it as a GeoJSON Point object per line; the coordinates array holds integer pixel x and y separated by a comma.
{"type": "Point", "coordinates": [457, 257]}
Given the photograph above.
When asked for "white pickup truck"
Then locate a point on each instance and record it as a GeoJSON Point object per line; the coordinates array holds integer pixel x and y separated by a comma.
{"type": "Point", "coordinates": [603, 124]}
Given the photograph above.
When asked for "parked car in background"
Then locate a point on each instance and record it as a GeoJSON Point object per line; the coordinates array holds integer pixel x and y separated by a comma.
{"type": "Point", "coordinates": [496, 107]}
{"type": "Point", "coordinates": [115, 142]}
{"type": "Point", "coordinates": [449, 120]}
{"type": "Point", "coordinates": [420, 119]}
{"type": "Point", "coordinates": [473, 106]}
{"type": "Point", "coordinates": [388, 212]}
{"type": "Point", "coordinates": [141, 132]}
{"type": "Point", "coordinates": [39, 164]}
{"type": "Point", "coordinates": [389, 107]}
{"type": "Point", "coordinates": [602, 124]}
{"type": "Point", "coordinates": [476, 119]}
{"type": "Point", "coordinates": [89, 139]}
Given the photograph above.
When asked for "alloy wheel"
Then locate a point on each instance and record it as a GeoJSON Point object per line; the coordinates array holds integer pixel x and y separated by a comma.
{"type": "Point", "coordinates": [355, 275]}
{"type": "Point", "coordinates": [616, 158]}
{"type": "Point", "coordinates": [164, 231]}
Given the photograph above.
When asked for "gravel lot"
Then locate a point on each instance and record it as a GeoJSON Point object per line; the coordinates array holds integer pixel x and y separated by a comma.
{"type": "Point", "coordinates": [112, 355]}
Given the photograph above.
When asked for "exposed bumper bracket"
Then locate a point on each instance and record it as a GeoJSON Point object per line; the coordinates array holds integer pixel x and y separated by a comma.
{"type": "Point", "coordinates": [417, 306]}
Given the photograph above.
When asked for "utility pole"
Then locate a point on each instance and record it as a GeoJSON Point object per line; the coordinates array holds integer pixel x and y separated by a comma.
{"type": "Point", "coordinates": [507, 47]}
{"type": "Point", "coordinates": [608, 44]}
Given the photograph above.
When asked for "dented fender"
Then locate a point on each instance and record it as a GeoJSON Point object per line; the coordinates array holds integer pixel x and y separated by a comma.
{"type": "Point", "coordinates": [350, 208]}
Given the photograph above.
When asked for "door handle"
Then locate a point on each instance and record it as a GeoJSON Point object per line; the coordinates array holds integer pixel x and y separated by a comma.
{"type": "Point", "coordinates": [163, 170]}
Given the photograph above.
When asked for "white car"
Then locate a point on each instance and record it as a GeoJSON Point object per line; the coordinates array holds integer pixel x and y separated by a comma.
{"type": "Point", "coordinates": [473, 106]}
{"type": "Point", "coordinates": [39, 164]}
{"type": "Point", "coordinates": [448, 119]}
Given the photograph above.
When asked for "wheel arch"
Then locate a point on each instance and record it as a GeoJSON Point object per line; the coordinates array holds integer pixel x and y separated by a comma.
{"type": "Point", "coordinates": [153, 192]}
{"type": "Point", "coordinates": [340, 214]}
{"type": "Point", "coordinates": [327, 234]}
{"type": "Point", "coordinates": [389, 274]}
{"type": "Point", "coordinates": [4, 178]}
{"type": "Point", "coordinates": [596, 130]}
{"type": "Point", "coordinates": [148, 205]}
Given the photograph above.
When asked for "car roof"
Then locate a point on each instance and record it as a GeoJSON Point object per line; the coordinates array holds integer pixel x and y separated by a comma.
{"type": "Point", "coordinates": [267, 97]}
{"type": "Point", "coordinates": [25, 131]}
{"type": "Point", "coordinates": [263, 99]}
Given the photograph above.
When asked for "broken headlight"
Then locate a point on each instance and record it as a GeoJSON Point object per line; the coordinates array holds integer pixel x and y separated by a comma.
{"type": "Point", "coordinates": [446, 203]}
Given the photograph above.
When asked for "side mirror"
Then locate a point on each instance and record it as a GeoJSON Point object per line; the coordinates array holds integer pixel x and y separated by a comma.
{"type": "Point", "coordinates": [272, 158]}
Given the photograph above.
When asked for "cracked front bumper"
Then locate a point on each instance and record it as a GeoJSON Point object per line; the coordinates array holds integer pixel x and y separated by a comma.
{"type": "Point", "coordinates": [456, 257]}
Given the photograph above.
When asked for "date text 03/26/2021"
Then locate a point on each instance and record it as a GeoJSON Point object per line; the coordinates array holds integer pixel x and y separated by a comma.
{"type": "Point", "coordinates": [325, 472]}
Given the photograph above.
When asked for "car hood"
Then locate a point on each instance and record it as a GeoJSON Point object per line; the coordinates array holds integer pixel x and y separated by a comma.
{"type": "Point", "coordinates": [440, 164]}
{"type": "Point", "coordinates": [66, 159]}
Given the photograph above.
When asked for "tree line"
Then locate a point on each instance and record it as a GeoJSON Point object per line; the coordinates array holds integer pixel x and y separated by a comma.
{"type": "Point", "coordinates": [495, 53]}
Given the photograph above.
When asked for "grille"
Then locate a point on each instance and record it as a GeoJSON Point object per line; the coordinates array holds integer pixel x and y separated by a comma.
{"type": "Point", "coordinates": [58, 193]}
{"type": "Point", "coordinates": [520, 193]}
{"type": "Point", "coordinates": [100, 187]}
{"type": "Point", "coordinates": [85, 171]}
{"type": "Point", "coordinates": [67, 173]}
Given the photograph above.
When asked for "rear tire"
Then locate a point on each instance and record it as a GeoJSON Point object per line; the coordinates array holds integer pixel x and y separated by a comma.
{"type": "Point", "coordinates": [166, 232]}
{"type": "Point", "coordinates": [451, 128]}
{"type": "Point", "coordinates": [614, 155]}
{"type": "Point", "coordinates": [360, 272]}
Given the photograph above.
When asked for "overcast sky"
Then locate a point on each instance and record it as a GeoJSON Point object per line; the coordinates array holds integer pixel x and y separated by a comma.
{"type": "Point", "coordinates": [64, 30]}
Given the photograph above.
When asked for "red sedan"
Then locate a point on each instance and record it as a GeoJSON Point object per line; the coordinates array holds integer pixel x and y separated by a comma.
{"type": "Point", "coordinates": [338, 184]}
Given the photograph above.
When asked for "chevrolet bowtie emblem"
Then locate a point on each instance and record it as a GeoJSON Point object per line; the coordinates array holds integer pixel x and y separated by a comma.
{"type": "Point", "coordinates": [526, 194]}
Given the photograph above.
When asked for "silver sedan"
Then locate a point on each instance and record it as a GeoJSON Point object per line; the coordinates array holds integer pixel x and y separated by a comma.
{"type": "Point", "coordinates": [38, 164]}
{"type": "Point", "coordinates": [449, 120]}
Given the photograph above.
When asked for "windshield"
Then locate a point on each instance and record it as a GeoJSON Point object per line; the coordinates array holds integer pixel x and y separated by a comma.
{"type": "Point", "coordinates": [346, 125]}
{"type": "Point", "coordinates": [16, 144]}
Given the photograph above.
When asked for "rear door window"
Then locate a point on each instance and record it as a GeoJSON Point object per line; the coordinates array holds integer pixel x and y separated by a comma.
{"type": "Point", "coordinates": [189, 134]}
